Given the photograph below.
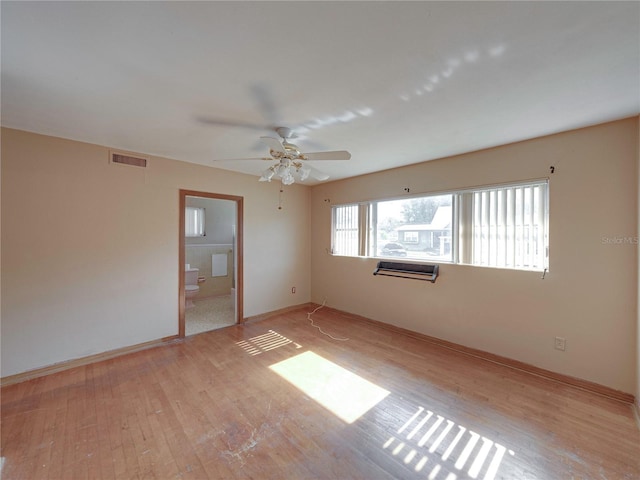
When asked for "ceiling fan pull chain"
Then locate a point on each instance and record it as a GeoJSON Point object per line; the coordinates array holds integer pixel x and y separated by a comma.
{"type": "Point", "coordinates": [280, 199]}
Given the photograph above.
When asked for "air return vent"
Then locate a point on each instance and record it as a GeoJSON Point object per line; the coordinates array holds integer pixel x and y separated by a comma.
{"type": "Point", "coordinates": [124, 158]}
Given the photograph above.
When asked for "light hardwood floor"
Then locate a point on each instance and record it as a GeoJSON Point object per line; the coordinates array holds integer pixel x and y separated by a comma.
{"type": "Point", "coordinates": [380, 405]}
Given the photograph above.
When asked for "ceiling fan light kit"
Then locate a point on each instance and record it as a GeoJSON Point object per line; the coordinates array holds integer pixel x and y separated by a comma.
{"type": "Point", "coordinates": [290, 166]}
{"type": "Point", "coordinates": [287, 171]}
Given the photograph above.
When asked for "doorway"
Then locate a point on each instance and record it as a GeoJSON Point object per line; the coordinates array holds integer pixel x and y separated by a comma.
{"type": "Point", "coordinates": [211, 261]}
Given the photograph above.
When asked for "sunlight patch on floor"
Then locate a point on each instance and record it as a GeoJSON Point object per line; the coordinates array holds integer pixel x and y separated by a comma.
{"type": "Point", "coordinates": [464, 449]}
{"type": "Point", "coordinates": [265, 342]}
{"type": "Point", "coordinates": [342, 392]}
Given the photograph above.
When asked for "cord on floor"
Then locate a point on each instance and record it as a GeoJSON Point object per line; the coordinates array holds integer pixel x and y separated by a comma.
{"type": "Point", "coordinates": [319, 329]}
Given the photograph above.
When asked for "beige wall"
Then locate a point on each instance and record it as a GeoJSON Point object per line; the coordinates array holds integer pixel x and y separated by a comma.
{"type": "Point", "coordinates": [90, 249]}
{"type": "Point", "coordinates": [588, 296]}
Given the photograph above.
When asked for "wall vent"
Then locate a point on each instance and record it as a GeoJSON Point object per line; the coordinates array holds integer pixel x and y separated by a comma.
{"type": "Point", "coordinates": [128, 159]}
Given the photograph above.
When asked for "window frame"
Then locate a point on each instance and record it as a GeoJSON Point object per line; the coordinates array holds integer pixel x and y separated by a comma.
{"type": "Point", "coordinates": [411, 234]}
{"type": "Point", "coordinates": [462, 227]}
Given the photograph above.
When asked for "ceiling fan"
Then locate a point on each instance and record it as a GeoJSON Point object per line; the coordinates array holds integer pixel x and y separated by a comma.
{"type": "Point", "coordinates": [290, 163]}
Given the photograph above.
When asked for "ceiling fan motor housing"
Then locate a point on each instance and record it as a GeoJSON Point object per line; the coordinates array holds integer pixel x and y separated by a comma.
{"type": "Point", "coordinates": [285, 132]}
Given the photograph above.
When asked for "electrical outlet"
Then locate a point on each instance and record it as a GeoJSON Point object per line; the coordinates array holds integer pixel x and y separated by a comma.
{"type": "Point", "coordinates": [561, 343]}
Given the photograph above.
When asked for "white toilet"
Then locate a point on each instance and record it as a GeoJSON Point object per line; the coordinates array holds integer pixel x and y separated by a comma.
{"type": "Point", "coordinates": [191, 287]}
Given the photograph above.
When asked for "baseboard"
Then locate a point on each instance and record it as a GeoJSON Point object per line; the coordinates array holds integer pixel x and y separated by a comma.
{"type": "Point", "coordinates": [264, 316]}
{"type": "Point", "coordinates": [79, 362]}
{"type": "Point", "coordinates": [507, 362]}
{"type": "Point", "coordinates": [480, 354]}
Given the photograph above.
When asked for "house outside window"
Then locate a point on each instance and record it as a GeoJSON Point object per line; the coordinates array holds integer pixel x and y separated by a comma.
{"type": "Point", "coordinates": [421, 225]}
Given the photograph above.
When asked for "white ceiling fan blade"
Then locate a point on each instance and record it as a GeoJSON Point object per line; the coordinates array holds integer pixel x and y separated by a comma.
{"type": "Point", "coordinates": [337, 155]}
{"type": "Point", "coordinates": [273, 144]}
{"type": "Point", "coordinates": [317, 174]}
{"type": "Point", "coordinates": [230, 123]}
{"type": "Point", "coordinates": [241, 159]}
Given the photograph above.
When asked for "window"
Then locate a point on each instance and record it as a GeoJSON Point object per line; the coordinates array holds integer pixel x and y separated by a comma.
{"type": "Point", "coordinates": [194, 222]}
{"type": "Point", "coordinates": [509, 227]}
{"type": "Point", "coordinates": [345, 230]}
{"type": "Point", "coordinates": [420, 226]}
{"type": "Point", "coordinates": [504, 226]}
{"type": "Point", "coordinates": [411, 237]}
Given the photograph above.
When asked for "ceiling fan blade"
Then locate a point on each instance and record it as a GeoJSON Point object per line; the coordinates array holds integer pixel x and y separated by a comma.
{"type": "Point", "coordinates": [264, 100]}
{"type": "Point", "coordinates": [241, 159]}
{"type": "Point", "coordinates": [317, 174]}
{"type": "Point", "coordinates": [337, 155]}
{"type": "Point", "coordinates": [233, 123]}
{"type": "Point", "coordinates": [273, 144]}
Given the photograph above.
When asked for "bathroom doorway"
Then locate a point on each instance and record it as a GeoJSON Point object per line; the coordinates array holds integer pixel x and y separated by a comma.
{"type": "Point", "coordinates": [210, 282]}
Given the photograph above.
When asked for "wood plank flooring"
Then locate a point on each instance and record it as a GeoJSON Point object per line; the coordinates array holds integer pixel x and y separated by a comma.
{"type": "Point", "coordinates": [213, 406]}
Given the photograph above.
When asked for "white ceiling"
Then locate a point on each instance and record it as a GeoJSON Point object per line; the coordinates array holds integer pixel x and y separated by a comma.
{"type": "Point", "coordinates": [394, 83]}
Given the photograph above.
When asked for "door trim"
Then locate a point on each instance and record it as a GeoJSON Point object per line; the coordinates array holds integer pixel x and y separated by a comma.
{"type": "Point", "coordinates": [239, 253]}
